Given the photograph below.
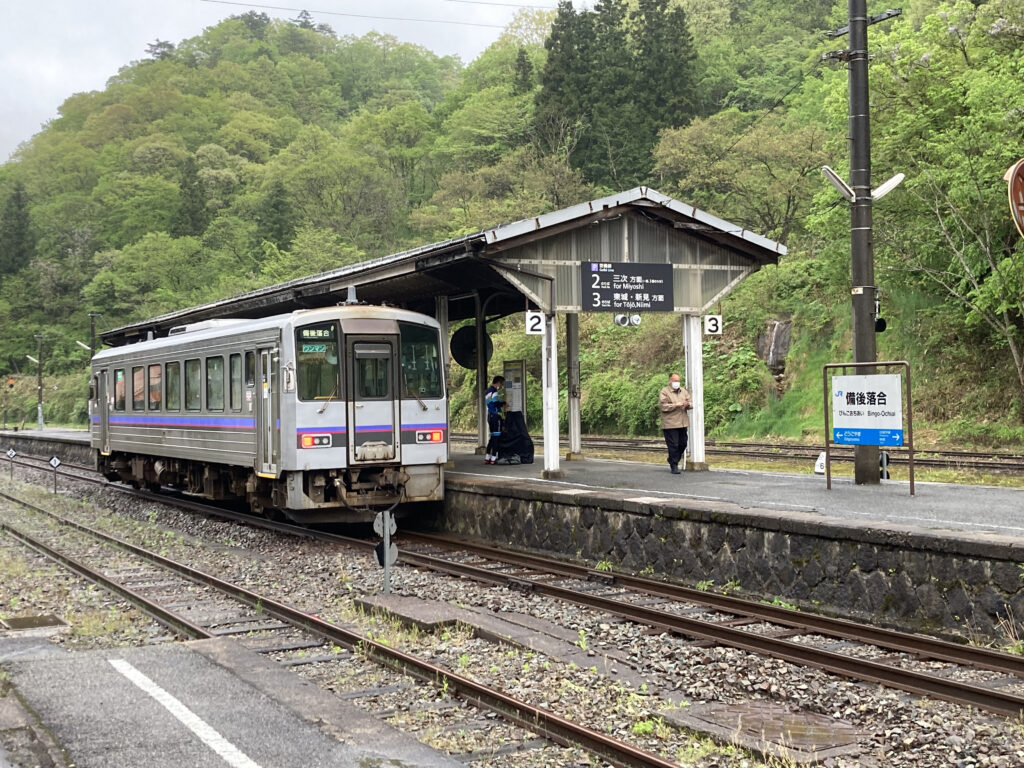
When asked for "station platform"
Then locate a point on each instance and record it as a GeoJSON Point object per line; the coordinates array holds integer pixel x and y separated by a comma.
{"type": "Point", "coordinates": [975, 510]}
{"type": "Point", "coordinates": [203, 704]}
{"type": "Point", "coordinates": [968, 509]}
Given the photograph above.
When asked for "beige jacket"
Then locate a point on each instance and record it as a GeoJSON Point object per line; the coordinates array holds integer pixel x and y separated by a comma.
{"type": "Point", "coordinates": [669, 402]}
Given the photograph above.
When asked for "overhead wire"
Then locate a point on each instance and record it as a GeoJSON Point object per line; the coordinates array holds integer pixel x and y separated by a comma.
{"type": "Point", "coordinates": [379, 17]}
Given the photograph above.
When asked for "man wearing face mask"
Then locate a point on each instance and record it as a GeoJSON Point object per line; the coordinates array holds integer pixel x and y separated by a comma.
{"type": "Point", "coordinates": [674, 404]}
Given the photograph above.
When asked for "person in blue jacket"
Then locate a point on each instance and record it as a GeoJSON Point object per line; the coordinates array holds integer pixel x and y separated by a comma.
{"type": "Point", "coordinates": [495, 405]}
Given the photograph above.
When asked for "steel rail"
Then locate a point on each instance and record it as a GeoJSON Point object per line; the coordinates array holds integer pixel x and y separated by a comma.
{"type": "Point", "coordinates": [921, 645]}
{"type": "Point", "coordinates": [521, 713]}
{"type": "Point", "coordinates": [181, 626]}
{"type": "Point", "coordinates": [959, 692]}
{"type": "Point", "coordinates": [914, 682]}
{"type": "Point", "coordinates": [1002, 461]}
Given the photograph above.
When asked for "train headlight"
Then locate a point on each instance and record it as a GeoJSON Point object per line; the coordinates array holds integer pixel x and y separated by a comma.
{"type": "Point", "coordinates": [430, 436]}
{"type": "Point", "coordinates": [315, 441]}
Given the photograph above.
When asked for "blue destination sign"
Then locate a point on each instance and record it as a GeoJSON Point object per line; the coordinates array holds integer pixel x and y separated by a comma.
{"type": "Point", "coordinates": [617, 286]}
{"type": "Point", "coordinates": [842, 436]}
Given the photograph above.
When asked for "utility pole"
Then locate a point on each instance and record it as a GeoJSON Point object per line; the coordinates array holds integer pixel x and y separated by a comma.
{"type": "Point", "coordinates": [862, 261]}
{"type": "Point", "coordinates": [865, 457]}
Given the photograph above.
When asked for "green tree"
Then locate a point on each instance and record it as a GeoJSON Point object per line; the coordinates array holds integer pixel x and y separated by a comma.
{"type": "Point", "coordinates": [313, 250]}
{"type": "Point", "coordinates": [761, 172]}
{"type": "Point", "coordinates": [944, 93]}
{"type": "Point", "coordinates": [16, 239]}
{"type": "Point", "coordinates": [192, 215]}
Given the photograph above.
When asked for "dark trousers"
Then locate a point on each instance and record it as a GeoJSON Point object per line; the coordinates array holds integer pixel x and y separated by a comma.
{"type": "Point", "coordinates": [675, 439]}
{"type": "Point", "coordinates": [494, 425]}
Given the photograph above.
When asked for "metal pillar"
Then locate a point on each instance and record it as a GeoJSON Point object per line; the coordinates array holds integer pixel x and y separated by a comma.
{"type": "Point", "coordinates": [693, 344]}
{"type": "Point", "coordinates": [549, 374]}
{"type": "Point", "coordinates": [481, 376]}
{"type": "Point", "coordinates": [862, 269]}
{"type": "Point", "coordinates": [441, 315]}
{"type": "Point", "coordinates": [572, 355]}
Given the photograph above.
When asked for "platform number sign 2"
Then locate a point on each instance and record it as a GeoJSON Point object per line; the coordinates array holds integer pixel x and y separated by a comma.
{"type": "Point", "coordinates": [535, 323]}
{"type": "Point", "coordinates": [712, 325]}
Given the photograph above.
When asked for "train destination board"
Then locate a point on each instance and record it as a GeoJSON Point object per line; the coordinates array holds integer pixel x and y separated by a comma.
{"type": "Point", "coordinates": [617, 286]}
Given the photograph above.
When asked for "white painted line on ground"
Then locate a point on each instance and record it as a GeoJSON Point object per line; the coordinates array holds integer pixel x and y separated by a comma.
{"type": "Point", "coordinates": [224, 748]}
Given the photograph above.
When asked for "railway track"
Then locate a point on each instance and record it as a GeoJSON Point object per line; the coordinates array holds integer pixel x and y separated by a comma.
{"type": "Point", "coordinates": [834, 645]}
{"type": "Point", "coordinates": [194, 604]}
{"type": "Point", "coordinates": [999, 461]}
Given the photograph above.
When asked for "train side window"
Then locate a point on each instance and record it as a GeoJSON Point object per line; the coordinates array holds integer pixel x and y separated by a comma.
{"type": "Point", "coordinates": [138, 388]}
{"type": "Point", "coordinates": [235, 366]}
{"type": "Point", "coordinates": [316, 361]}
{"type": "Point", "coordinates": [372, 364]}
{"type": "Point", "coordinates": [250, 369]}
{"type": "Point", "coordinates": [421, 372]}
{"type": "Point", "coordinates": [172, 395]}
{"type": "Point", "coordinates": [215, 383]}
{"type": "Point", "coordinates": [193, 385]}
{"type": "Point", "coordinates": [155, 389]}
{"type": "Point", "coordinates": [119, 384]}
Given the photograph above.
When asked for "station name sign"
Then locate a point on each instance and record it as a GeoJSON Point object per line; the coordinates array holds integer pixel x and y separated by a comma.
{"type": "Point", "coordinates": [618, 286]}
{"type": "Point", "coordinates": [867, 410]}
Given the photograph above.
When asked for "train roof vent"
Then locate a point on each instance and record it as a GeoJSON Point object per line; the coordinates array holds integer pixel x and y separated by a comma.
{"type": "Point", "coordinates": [202, 326]}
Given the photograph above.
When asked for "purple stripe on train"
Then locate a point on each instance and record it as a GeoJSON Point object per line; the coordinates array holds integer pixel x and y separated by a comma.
{"type": "Point", "coordinates": [185, 422]}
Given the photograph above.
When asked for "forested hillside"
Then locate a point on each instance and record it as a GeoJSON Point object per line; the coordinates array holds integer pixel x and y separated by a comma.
{"type": "Point", "coordinates": [261, 150]}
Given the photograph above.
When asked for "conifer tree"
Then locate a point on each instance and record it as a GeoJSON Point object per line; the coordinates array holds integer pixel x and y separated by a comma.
{"type": "Point", "coordinates": [16, 242]}
{"type": "Point", "coordinates": [192, 216]}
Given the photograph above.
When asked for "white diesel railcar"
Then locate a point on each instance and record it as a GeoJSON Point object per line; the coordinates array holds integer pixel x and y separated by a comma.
{"type": "Point", "coordinates": [320, 415]}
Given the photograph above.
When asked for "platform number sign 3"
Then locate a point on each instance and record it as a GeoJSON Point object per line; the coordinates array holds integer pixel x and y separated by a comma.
{"type": "Point", "coordinates": [712, 325]}
{"type": "Point", "coordinates": [535, 323]}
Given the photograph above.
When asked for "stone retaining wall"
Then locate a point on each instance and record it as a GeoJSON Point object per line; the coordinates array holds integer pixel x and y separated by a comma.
{"type": "Point", "coordinates": [68, 451]}
{"type": "Point", "coordinates": [944, 582]}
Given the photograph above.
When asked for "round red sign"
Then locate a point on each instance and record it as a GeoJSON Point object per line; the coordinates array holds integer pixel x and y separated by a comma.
{"type": "Point", "coordinates": [1015, 182]}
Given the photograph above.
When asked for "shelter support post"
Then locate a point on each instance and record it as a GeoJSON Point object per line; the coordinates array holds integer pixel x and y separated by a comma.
{"type": "Point", "coordinates": [572, 355]}
{"type": "Point", "coordinates": [441, 315]}
{"type": "Point", "coordinates": [692, 343]}
{"type": "Point", "coordinates": [549, 374]}
{"type": "Point", "coordinates": [481, 376]}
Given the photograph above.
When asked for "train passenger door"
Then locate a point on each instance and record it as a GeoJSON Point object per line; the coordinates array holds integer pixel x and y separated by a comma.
{"type": "Point", "coordinates": [101, 414]}
{"type": "Point", "coordinates": [373, 418]}
{"type": "Point", "coordinates": [268, 432]}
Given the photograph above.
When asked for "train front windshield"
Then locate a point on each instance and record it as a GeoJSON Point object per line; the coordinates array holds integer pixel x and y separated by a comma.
{"type": "Point", "coordinates": [316, 358]}
{"type": "Point", "coordinates": [421, 372]}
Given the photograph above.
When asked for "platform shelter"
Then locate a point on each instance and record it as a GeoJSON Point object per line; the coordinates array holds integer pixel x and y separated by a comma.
{"type": "Point", "coordinates": [634, 252]}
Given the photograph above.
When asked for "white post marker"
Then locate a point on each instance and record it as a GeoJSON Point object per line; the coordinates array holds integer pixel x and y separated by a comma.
{"type": "Point", "coordinates": [11, 453]}
{"type": "Point", "coordinates": [387, 553]}
{"type": "Point", "coordinates": [54, 462]}
{"type": "Point", "coordinates": [819, 465]}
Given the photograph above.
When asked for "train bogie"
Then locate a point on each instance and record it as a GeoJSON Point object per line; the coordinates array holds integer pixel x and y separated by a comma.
{"type": "Point", "coordinates": [328, 414]}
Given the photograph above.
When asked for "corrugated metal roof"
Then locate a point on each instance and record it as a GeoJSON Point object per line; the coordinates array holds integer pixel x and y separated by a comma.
{"type": "Point", "coordinates": [451, 267]}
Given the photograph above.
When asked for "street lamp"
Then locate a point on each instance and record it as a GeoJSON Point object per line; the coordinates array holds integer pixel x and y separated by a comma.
{"type": "Point", "coordinates": [92, 331]}
{"type": "Point", "coordinates": [39, 379]}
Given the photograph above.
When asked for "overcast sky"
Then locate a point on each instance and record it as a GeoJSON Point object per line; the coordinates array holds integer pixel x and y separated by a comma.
{"type": "Point", "coordinates": [50, 49]}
